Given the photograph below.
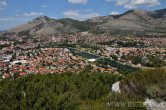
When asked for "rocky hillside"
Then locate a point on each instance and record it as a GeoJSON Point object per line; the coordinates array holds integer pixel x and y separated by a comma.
{"type": "Point", "coordinates": [131, 22]}
{"type": "Point", "coordinates": [46, 25]}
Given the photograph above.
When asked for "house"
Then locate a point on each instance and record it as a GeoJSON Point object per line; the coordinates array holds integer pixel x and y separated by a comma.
{"type": "Point", "coordinates": [22, 74]}
{"type": "Point", "coordinates": [91, 60]}
{"type": "Point", "coordinates": [6, 75]}
{"type": "Point", "coordinates": [18, 61]}
{"type": "Point", "coordinates": [7, 58]}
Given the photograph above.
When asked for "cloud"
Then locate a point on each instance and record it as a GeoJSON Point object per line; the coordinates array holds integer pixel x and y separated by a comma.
{"type": "Point", "coordinates": [75, 14]}
{"type": "Point", "coordinates": [78, 1]}
{"type": "Point", "coordinates": [7, 19]}
{"type": "Point", "coordinates": [3, 4]}
{"type": "Point", "coordinates": [53, 17]}
{"type": "Point", "coordinates": [114, 13]}
{"type": "Point", "coordinates": [135, 3]}
{"type": "Point", "coordinates": [32, 14]}
{"type": "Point", "coordinates": [88, 16]}
{"type": "Point", "coordinates": [71, 13]}
{"type": "Point", "coordinates": [44, 6]}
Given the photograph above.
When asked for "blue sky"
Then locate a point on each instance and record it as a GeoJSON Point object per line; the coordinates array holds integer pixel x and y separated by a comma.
{"type": "Point", "coordinates": [16, 12]}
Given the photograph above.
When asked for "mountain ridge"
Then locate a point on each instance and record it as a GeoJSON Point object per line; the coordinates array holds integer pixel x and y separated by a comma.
{"type": "Point", "coordinates": [134, 21]}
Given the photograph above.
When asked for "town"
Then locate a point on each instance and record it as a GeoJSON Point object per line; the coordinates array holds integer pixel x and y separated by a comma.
{"type": "Point", "coordinates": [83, 55]}
{"type": "Point", "coordinates": [41, 54]}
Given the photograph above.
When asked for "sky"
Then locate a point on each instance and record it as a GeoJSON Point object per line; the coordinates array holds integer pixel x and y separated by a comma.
{"type": "Point", "coordinates": [16, 12]}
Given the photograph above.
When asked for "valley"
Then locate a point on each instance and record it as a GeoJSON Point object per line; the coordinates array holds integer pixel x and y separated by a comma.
{"type": "Point", "coordinates": [67, 64]}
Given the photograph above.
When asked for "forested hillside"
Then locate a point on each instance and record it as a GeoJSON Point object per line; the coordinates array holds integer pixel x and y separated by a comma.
{"type": "Point", "coordinates": [65, 91]}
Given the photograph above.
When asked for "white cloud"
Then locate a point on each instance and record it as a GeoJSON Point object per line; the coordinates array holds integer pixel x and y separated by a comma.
{"type": "Point", "coordinates": [53, 17]}
{"type": "Point", "coordinates": [78, 1]}
{"type": "Point", "coordinates": [75, 14]}
{"type": "Point", "coordinates": [3, 4]}
{"type": "Point", "coordinates": [44, 6]}
{"type": "Point", "coordinates": [114, 13]}
{"type": "Point", "coordinates": [32, 14]}
{"type": "Point", "coordinates": [87, 10]}
{"type": "Point", "coordinates": [118, 2]}
{"type": "Point", "coordinates": [91, 15]}
{"type": "Point", "coordinates": [7, 19]}
{"type": "Point", "coordinates": [135, 3]}
{"type": "Point", "coordinates": [71, 13]}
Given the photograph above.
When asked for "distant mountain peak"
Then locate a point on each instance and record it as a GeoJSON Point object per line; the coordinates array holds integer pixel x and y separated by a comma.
{"type": "Point", "coordinates": [44, 18]}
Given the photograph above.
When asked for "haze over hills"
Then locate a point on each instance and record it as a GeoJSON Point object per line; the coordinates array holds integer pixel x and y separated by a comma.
{"type": "Point", "coordinates": [133, 21]}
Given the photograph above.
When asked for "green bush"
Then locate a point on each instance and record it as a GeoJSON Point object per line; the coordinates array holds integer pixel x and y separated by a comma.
{"type": "Point", "coordinates": [146, 83]}
{"type": "Point", "coordinates": [65, 91]}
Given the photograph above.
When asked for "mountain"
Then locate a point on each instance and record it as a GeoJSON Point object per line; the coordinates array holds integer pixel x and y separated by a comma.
{"type": "Point", "coordinates": [46, 25]}
{"type": "Point", "coordinates": [132, 22]}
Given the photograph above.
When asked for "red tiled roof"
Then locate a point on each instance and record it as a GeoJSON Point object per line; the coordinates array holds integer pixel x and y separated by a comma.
{"type": "Point", "coordinates": [21, 67]}
{"type": "Point", "coordinates": [22, 73]}
{"type": "Point", "coordinates": [6, 75]}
